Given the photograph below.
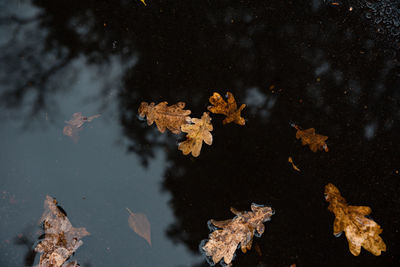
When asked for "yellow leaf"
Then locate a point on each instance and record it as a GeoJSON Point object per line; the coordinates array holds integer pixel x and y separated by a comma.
{"type": "Point", "coordinates": [198, 132]}
{"type": "Point", "coordinates": [171, 117]}
{"type": "Point", "coordinates": [360, 231]}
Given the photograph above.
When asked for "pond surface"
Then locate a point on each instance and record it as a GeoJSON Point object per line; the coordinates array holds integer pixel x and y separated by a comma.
{"type": "Point", "coordinates": [330, 65]}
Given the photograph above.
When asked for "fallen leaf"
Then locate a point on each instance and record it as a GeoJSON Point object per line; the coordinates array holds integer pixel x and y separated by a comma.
{"type": "Point", "coordinates": [75, 124]}
{"type": "Point", "coordinates": [360, 231]}
{"type": "Point", "coordinates": [290, 160]}
{"type": "Point", "coordinates": [229, 108]}
{"type": "Point", "coordinates": [197, 132]}
{"type": "Point", "coordinates": [309, 137]}
{"type": "Point", "coordinates": [172, 117]}
{"type": "Point", "coordinates": [140, 225]}
{"type": "Point", "coordinates": [222, 244]}
{"type": "Point", "coordinates": [144, 3]}
{"type": "Point", "coordinates": [61, 240]}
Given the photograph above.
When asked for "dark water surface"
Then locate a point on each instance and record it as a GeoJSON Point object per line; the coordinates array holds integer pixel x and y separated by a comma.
{"type": "Point", "coordinates": [332, 67]}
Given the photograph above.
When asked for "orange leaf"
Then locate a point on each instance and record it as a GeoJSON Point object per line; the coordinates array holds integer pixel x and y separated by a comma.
{"type": "Point", "coordinates": [229, 108]}
{"type": "Point", "coordinates": [309, 137]}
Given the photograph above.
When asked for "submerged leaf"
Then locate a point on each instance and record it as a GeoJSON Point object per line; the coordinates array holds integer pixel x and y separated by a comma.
{"type": "Point", "coordinates": [229, 108]}
{"type": "Point", "coordinates": [74, 125]}
{"type": "Point", "coordinates": [140, 225]}
{"type": "Point", "coordinates": [171, 117]}
{"type": "Point", "coordinates": [61, 240]}
{"type": "Point", "coordinates": [198, 132]}
{"type": "Point", "coordinates": [309, 137]}
{"type": "Point", "coordinates": [360, 231]}
{"type": "Point", "coordinates": [222, 244]}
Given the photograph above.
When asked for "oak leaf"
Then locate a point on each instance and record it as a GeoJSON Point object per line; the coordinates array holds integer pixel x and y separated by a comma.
{"type": "Point", "coordinates": [74, 125]}
{"type": "Point", "coordinates": [222, 243]}
{"type": "Point", "coordinates": [309, 137]}
{"type": "Point", "coordinates": [171, 117]}
{"type": "Point", "coordinates": [197, 132]}
{"type": "Point", "coordinates": [227, 108]}
{"type": "Point", "coordinates": [61, 240]}
{"type": "Point", "coordinates": [140, 225]}
{"type": "Point", "coordinates": [360, 231]}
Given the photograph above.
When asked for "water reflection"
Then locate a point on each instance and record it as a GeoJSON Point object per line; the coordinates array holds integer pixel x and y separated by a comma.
{"type": "Point", "coordinates": [330, 67]}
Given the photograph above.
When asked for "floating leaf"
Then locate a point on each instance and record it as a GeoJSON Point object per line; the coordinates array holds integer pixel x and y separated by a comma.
{"type": "Point", "coordinates": [172, 117]}
{"type": "Point", "coordinates": [75, 124]}
{"type": "Point", "coordinates": [140, 225]}
{"type": "Point", "coordinates": [61, 240]}
{"type": "Point", "coordinates": [290, 160]}
{"type": "Point", "coordinates": [229, 108]}
{"type": "Point", "coordinates": [309, 137]}
{"type": "Point", "coordinates": [360, 231]}
{"type": "Point", "coordinates": [198, 132]}
{"type": "Point", "coordinates": [222, 244]}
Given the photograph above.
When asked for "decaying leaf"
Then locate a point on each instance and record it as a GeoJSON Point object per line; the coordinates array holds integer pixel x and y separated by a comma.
{"type": "Point", "coordinates": [197, 132]}
{"type": "Point", "coordinates": [172, 117]}
{"type": "Point", "coordinates": [309, 137]}
{"type": "Point", "coordinates": [360, 231]}
{"type": "Point", "coordinates": [222, 244]}
{"type": "Point", "coordinates": [140, 225]}
{"type": "Point", "coordinates": [61, 240]}
{"type": "Point", "coordinates": [229, 108]}
{"type": "Point", "coordinates": [75, 124]}
{"type": "Point", "coordinates": [290, 160]}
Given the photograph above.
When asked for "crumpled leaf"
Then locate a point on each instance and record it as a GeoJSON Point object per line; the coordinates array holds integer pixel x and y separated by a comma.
{"type": "Point", "coordinates": [360, 231]}
{"type": "Point", "coordinates": [198, 132]}
{"type": "Point", "coordinates": [222, 244]}
{"type": "Point", "coordinates": [61, 240]}
{"type": "Point", "coordinates": [75, 124]}
{"type": "Point", "coordinates": [140, 225]}
{"type": "Point", "coordinates": [227, 108]}
{"type": "Point", "coordinates": [172, 117]}
{"type": "Point", "coordinates": [309, 137]}
{"type": "Point", "coordinates": [290, 160]}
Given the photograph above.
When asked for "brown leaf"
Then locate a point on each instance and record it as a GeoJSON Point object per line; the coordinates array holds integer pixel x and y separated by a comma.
{"type": "Point", "coordinates": [229, 108]}
{"type": "Point", "coordinates": [222, 244]}
{"type": "Point", "coordinates": [171, 117]}
{"type": "Point", "coordinates": [360, 231]}
{"type": "Point", "coordinates": [74, 125]}
{"type": "Point", "coordinates": [309, 137]}
{"type": "Point", "coordinates": [140, 225]}
{"type": "Point", "coordinates": [198, 132]}
{"type": "Point", "coordinates": [61, 240]}
{"type": "Point", "coordinates": [290, 160]}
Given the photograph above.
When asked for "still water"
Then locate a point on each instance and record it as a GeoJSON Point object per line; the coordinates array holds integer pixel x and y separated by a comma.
{"type": "Point", "coordinates": [330, 65]}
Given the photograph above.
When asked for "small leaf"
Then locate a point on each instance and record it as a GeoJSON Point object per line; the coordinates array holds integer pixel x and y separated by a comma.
{"type": "Point", "coordinates": [229, 108]}
{"type": "Point", "coordinates": [140, 225]}
{"type": "Point", "coordinates": [198, 132]}
{"type": "Point", "coordinates": [290, 160]}
{"type": "Point", "coordinates": [360, 231]}
{"type": "Point", "coordinates": [171, 117]}
{"type": "Point", "coordinates": [309, 137]}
